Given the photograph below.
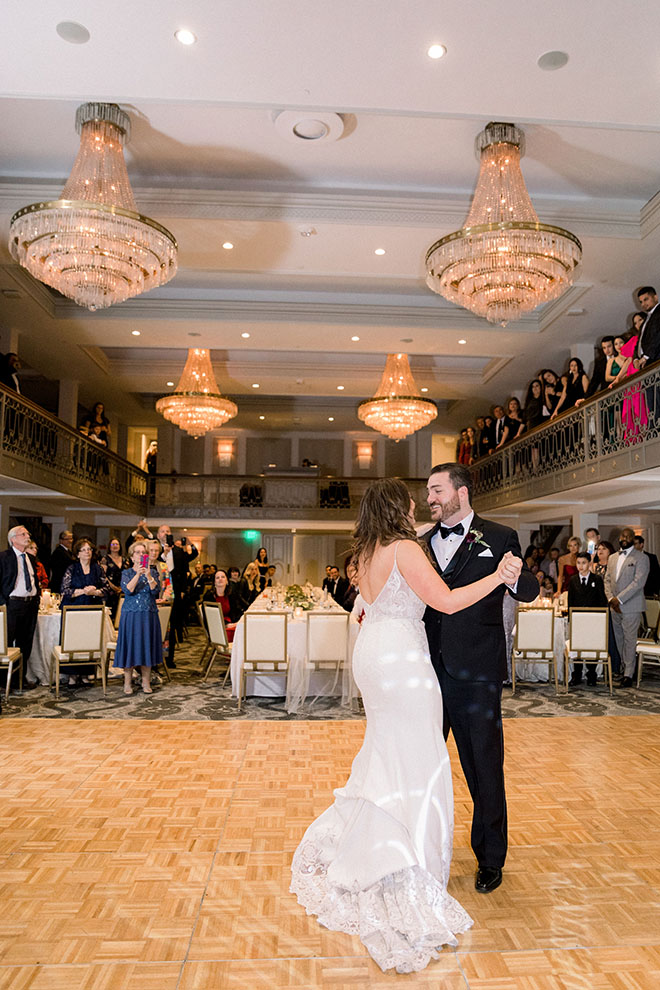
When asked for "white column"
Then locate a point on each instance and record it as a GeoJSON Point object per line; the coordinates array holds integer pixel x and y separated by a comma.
{"type": "Point", "coordinates": [8, 340]}
{"type": "Point", "coordinates": [67, 402]}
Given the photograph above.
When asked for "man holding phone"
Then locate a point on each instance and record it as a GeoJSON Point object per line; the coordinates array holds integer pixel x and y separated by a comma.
{"type": "Point", "coordinates": [177, 560]}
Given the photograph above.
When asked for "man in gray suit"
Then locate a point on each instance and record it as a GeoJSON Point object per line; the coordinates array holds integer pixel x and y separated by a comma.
{"type": "Point", "coordinates": [627, 573]}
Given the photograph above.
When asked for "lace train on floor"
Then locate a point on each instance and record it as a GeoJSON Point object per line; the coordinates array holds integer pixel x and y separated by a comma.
{"type": "Point", "coordinates": [403, 919]}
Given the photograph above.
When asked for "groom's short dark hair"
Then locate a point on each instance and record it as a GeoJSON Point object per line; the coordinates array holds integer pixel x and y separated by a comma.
{"type": "Point", "coordinates": [459, 476]}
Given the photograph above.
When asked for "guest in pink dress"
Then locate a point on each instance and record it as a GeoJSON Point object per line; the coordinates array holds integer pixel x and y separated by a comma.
{"type": "Point", "coordinates": [634, 415]}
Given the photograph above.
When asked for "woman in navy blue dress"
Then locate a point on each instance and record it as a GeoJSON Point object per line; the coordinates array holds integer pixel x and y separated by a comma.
{"type": "Point", "coordinates": [139, 640]}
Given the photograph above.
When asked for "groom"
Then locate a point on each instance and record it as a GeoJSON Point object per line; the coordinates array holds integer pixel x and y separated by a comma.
{"type": "Point", "coordinates": [469, 656]}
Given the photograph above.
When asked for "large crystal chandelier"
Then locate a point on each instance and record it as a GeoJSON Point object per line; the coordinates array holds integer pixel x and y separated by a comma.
{"type": "Point", "coordinates": [196, 404]}
{"type": "Point", "coordinates": [503, 262]}
{"type": "Point", "coordinates": [397, 409]}
{"type": "Point", "coordinates": [91, 244]}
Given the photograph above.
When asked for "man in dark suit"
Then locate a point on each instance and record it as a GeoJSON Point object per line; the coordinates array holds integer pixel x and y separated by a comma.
{"type": "Point", "coordinates": [585, 590]}
{"type": "Point", "coordinates": [60, 560]}
{"type": "Point", "coordinates": [468, 652]}
{"type": "Point", "coordinates": [652, 586]}
{"type": "Point", "coordinates": [337, 585]}
{"type": "Point", "coordinates": [19, 591]}
{"type": "Point", "coordinates": [178, 561]}
{"type": "Point", "coordinates": [648, 344]}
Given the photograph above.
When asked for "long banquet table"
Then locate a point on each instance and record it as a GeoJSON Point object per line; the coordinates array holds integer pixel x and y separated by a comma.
{"type": "Point", "coordinates": [320, 682]}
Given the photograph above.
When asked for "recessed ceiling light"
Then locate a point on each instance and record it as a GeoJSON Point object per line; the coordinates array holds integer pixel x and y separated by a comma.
{"type": "Point", "coordinates": [423, 390]}
{"type": "Point", "coordinates": [436, 51]}
{"type": "Point", "coordinates": [74, 33]}
{"type": "Point", "coordinates": [169, 383]}
{"type": "Point", "coordinates": [379, 251]}
{"type": "Point", "coordinates": [228, 246]}
{"type": "Point", "coordinates": [136, 333]}
{"type": "Point", "coordinates": [550, 61]}
{"type": "Point", "coordinates": [185, 37]}
{"type": "Point", "coordinates": [255, 385]}
{"type": "Point", "coordinates": [340, 388]}
{"type": "Point", "coordinates": [262, 417]}
{"type": "Point", "coordinates": [355, 338]}
{"type": "Point", "coordinates": [245, 335]}
{"type": "Point", "coordinates": [461, 341]}
{"type": "Point", "coordinates": [331, 419]}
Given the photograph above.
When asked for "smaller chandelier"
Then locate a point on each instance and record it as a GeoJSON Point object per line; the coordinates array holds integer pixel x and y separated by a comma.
{"type": "Point", "coordinates": [91, 244]}
{"type": "Point", "coordinates": [196, 405]}
{"type": "Point", "coordinates": [503, 262]}
{"type": "Point", "coordinates": [397, 409]}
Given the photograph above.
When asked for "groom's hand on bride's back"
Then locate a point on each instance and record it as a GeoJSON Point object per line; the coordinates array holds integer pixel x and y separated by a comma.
{"type": "Point", "coordinates": [509, 568]}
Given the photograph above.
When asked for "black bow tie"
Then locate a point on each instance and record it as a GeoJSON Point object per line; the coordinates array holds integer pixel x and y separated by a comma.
{"type": "Point", "coordinates": [446, 530]}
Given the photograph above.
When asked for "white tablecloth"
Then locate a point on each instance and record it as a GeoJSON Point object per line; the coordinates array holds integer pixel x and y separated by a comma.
{"type": "Point", "coordinates": [46, 636]}
{"type": "Point", "coordinates": [320, 683]}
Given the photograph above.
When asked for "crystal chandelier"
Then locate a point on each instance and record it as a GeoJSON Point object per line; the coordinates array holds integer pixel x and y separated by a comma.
{"type": "Point", "coordinates": [196, 404]}
{"type": "Point", "coordinates": [503, 262]}
{"type": "Point", "coordinates": [397, 409]}
{"type": "Point", "coordinates": [91, 244]}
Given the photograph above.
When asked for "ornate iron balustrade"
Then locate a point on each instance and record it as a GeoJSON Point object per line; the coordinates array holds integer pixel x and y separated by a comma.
{"type": "Point", "coordinates": [267, 497]}
{"type": "Point", "coordinates": [615, 433]}
{"type": "Point", "coordinates": [40, 449]}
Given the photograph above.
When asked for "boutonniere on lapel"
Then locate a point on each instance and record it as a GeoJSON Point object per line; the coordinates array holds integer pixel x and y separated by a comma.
{"type": "Point", "coordinates": [476, 538]}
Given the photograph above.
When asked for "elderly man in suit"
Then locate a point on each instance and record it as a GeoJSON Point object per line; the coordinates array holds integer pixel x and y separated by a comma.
{"type": "Point", "coordinates": [468, 652]}
{"type": "Point", "coordinates": [19, 591]}
{"type": "Point", "coordinates": [626, 575]}
{"type": "Point", "coordinates": [585, 590]}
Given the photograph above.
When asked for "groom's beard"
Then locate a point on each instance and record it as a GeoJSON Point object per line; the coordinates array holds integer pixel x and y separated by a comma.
{"type": "Point", "coordinates": [445, 510]}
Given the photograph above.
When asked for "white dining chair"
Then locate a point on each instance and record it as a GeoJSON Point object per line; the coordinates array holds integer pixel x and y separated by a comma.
{"type": "Point", "coordinates": [651, 617]}
{"type": "Point", "coordinates": [534, 642]}
{"type": "Point", "coordinates": [327, 642]}
{"type": "Point", "coordinates": [217, 634]}
{"type": "Point", "coordinates": [266, 648]}
{"type": "Point", "coordinates": [648, 651]}
{"type": "Point", "coordinates": [81, 643]}
{"type": "Point", "coordinates": [588, 632]}
{"type": "Point", "coordinates": [11, 658]}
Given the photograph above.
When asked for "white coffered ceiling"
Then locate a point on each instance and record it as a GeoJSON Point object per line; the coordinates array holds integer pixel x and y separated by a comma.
{"type": "Point", "coordinates": [305, 217]}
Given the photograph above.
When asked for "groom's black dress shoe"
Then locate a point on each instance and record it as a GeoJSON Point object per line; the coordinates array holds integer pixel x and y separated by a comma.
{"type": "Point", "coordinates": [488, 878]}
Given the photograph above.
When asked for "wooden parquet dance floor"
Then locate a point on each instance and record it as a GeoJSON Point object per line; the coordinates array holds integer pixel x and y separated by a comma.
{"type": "Point", "coordinates": [154, 855]}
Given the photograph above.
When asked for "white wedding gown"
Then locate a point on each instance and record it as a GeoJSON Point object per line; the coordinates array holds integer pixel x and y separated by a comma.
{"type": "Point", "coordinates": [376, 863]}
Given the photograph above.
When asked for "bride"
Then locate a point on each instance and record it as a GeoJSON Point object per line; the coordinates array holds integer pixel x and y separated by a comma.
{"type": "Point", "coordinates": [376, 863]}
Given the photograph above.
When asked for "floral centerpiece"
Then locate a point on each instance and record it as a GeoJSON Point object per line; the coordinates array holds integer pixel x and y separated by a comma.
{"type": "Point", "coordinates": [296, 598]}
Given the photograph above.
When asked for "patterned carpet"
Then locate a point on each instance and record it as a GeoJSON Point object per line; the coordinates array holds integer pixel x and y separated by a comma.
{"type": "Point", "coordinates": [187, 698]}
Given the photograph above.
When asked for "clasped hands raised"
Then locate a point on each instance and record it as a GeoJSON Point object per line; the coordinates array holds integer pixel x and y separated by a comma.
{"type": "Point", "coordinates": [509, 568]}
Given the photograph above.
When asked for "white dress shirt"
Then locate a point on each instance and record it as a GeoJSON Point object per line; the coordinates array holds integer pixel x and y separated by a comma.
{"type": "Point", "coordinates": [445, 549]}
{"type": "Point", "coordinates": [640, 340]}
{"type": "Point", "coordinates": [20, 590]}
{"type": "Point", "coordinates": [620, 559]}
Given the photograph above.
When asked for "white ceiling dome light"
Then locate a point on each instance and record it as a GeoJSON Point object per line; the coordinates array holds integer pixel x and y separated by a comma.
{"type": "Point", "coordinates": [309, 126]}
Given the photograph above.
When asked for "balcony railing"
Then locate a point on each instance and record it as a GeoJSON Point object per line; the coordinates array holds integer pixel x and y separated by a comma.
{"type": "Point", "coordinates": [38, 448]}
{"type": "Point", "coordinates": [268, 497]}
{"type": "Point", "coordinates": [615, 433]}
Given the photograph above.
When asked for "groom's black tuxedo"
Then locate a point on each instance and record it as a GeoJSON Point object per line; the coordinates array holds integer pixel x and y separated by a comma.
{"type": "Point", "coordinates": [469, 656]}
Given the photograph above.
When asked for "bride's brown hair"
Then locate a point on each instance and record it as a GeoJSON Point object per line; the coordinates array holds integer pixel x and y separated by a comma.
{"type": "Point", "coordinates": [383, 517]}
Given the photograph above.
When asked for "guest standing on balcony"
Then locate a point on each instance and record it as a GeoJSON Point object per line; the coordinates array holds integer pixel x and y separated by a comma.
{"type": "Point", "coordinates": [515, 425]}
{"type": "Point", "coordinates": [534, 414]}
{"type": "Point", "coordinates": [648, 345]}
{"type": "Point", "coordinates": [486, 441]}
{"type": "Point", "coordinates": [9, 365]}
{"type": "Point", "coordinates": [97, 418]}
{"type": "Point", "coordinates": [19, 591]}
{"type": "Point", "coordinates": [151, 458]}
{"type": "Point", "coordinates": [575, 387]}
{"type": "Point", "coordinates": [139, 637]}
{"type": "Point", "coordinates": [634, 413]}
{"type": "Point", "coordinates": [552, 390]}
{"type": "Point", "coordinates": [60, 560]}
{"type": "Point", "coordinates": [499, 426]}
